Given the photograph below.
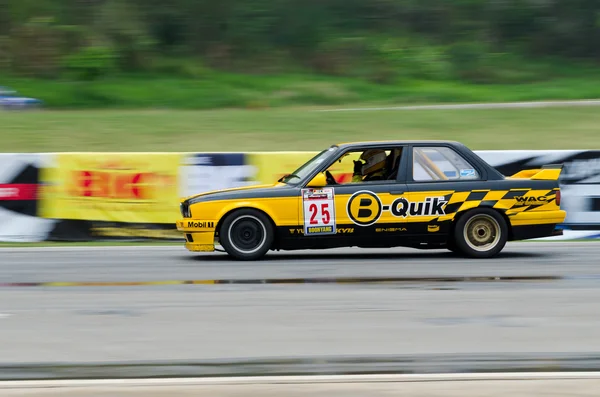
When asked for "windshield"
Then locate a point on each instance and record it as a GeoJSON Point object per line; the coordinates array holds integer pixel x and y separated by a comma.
{"type": "Point", "coordinates": [308, 167]}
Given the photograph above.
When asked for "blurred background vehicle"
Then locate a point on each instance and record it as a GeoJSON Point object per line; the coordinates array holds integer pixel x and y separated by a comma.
{"type": "Point", "coordinates": [10, 101]}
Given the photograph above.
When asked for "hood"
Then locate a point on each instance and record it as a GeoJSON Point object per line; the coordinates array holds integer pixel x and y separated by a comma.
{"type": "Point", "coordinates": [253, 191]}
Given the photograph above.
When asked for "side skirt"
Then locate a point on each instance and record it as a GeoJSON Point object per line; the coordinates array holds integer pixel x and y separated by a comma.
{"type": "Point", "coordinates": [415, 235]}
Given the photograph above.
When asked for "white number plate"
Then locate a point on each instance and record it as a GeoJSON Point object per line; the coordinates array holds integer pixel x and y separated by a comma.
{"type": "Point", "coordinates": [319, 211]}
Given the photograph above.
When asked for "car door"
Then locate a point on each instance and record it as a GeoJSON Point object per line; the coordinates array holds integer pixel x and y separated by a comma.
{"type": "Point", "coordinates": [440, 181]}
{"type": "Point", "coordinates": [361, 210]}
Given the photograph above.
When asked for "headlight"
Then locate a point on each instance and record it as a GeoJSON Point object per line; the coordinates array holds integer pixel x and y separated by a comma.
{"type": "Point", "coordinates": [185, 209]}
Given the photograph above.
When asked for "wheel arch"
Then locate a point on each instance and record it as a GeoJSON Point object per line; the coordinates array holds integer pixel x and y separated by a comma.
{"type": "Point", "coordinates": [235, 209]}
{"type": "Point", "coordinates": [500, 211]}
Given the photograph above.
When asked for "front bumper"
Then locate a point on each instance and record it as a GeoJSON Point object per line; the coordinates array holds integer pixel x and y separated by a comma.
{"type": "Point", "coordinates": [199, 234]}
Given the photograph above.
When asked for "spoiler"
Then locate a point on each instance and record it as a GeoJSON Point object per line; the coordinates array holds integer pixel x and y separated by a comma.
{"type": "Point", "coordinates": [549, 172]}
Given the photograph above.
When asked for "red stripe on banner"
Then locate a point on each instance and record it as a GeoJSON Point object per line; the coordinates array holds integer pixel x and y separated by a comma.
{"type": "Point", "coordinates": [18, 192]}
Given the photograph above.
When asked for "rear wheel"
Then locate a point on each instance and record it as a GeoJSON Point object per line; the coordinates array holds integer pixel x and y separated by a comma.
{"type": "Point", "coordinates": [481, 233]}
{"type": "Point", "coordinates": [246, 234]}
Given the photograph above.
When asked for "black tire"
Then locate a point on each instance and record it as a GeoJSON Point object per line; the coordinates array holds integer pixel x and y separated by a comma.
{"type": "Point", "coordinates": [480, 233]}
{"type": "Point", "coordinates": [246, 234]}
{"type": "Point", "coordinates": [451, 245]}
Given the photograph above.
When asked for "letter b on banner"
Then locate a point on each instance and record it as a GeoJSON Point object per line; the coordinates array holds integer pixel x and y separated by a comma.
{"type": "Point", "coordinates": [112, 184]}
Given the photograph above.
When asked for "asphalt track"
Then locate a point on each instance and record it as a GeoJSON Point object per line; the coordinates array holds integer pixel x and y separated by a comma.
{"type": "Point", "coordinates": [49, 314]}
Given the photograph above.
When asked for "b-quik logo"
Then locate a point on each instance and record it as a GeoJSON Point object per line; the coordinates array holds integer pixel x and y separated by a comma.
{"type": "Point", "coordinates": [364, 208]}
{"type": "Point", "coordinates": [431, 206]}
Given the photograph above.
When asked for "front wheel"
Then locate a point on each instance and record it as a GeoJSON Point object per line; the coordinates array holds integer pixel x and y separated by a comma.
{"type": "Point", "coordinates": [451, 246]}
{"type": "Point", "coordinates": [481, 233]}
{"type": "Point", "coordinates": [246, 234]}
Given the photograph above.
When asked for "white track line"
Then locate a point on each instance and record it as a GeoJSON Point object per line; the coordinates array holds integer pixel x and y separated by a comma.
{"type": "Point", "coordinates": [493, 105]}
{"type": "Point", "coordinates": [300, 379]}
{"type": "Point", "coordinates": [141, 248]}
{"type": "Point", "coordinates": [95, 248]}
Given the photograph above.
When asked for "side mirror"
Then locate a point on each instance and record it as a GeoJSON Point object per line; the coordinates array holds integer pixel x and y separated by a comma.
{"type": "Point", "coordinates": [319, 180]}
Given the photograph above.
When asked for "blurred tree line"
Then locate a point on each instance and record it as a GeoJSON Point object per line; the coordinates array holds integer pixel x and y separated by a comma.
{"type": "Point", "coordinates": [478, 40]}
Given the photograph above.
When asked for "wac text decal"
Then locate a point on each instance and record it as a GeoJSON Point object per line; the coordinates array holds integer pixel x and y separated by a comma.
{"type": "Point", "coordinates": [365, 208]}
{"type": "Point", "coordinates": [532, 200]}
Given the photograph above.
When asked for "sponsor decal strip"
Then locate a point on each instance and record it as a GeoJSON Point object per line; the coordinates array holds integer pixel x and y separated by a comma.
{"type": "Point", "coordinates": [364, 207]}
{"type": "Point", "coordinates": [199, 224]}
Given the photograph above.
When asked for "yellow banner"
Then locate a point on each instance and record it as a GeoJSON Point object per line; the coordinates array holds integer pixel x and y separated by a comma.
{"type": "Point", "coordinates": [273, 165]}
{"type": "Point", "coordinates": [118, 187]}
{"type": "Point", "coordinates": [270, 166]}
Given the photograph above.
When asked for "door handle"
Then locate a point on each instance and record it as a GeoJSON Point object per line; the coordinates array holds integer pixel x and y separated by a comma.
{"type": "Point", "coordinates": [397, 192]}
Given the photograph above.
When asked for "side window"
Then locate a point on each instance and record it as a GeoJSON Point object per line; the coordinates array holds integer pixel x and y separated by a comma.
{"type": "Point", "coordinates": [441, 164]}
{"type": "Point", "coordinates": [382, 166]}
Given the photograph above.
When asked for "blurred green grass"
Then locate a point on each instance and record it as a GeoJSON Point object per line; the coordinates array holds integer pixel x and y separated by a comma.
{"type": "Point", "coordinates": [299, 128]}
{"type": "Point", "coordinates": [214, 90]}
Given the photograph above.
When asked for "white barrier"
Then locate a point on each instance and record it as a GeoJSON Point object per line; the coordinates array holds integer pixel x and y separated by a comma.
{"type": "Point", "coordinates": [21, 219]}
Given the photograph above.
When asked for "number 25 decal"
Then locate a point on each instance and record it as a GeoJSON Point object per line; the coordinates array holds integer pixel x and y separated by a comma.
{"type": "Point", "coordinates": [318, 211]}
{"type": "Point", "coordinates": [326, 216]}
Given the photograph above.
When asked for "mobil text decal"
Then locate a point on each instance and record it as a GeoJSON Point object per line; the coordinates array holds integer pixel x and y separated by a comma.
{"type": "Point", "coordinates": [135, 188]}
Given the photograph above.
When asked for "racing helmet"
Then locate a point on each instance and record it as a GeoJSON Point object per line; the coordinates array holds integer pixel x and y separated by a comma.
{"type": "Point", "coordinates": [374, 160]}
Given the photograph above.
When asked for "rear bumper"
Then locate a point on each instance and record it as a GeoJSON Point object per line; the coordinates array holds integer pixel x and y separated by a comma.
{"type": "Point", "coordinates": [538, 218]}
{"type": "Point", "coordinates": [536, 224]}
{"type": "Point", "coordinates": [535, 231]}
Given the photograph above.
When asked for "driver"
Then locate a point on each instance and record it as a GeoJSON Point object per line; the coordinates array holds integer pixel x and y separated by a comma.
{"type": "Point", "coordinates": [372, 169]}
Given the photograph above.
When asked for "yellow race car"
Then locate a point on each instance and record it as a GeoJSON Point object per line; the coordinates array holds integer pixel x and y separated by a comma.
{"type": "Point", "coordinates": [420, 194]}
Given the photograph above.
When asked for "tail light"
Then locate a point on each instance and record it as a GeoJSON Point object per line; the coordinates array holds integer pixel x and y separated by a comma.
{"type": "Point", "coordinates": [558, 198]}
